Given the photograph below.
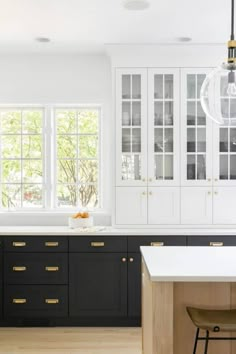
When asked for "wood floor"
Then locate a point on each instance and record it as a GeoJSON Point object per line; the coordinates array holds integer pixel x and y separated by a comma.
{"type": "Point", "coordinates": [70, 341]}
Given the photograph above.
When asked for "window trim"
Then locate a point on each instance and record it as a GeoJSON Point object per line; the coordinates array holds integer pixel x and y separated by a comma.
{"type": "Point", "coordinates": [49, 158]}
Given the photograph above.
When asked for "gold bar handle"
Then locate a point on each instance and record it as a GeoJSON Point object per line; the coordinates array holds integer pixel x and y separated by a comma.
{"type": "Point", "coordinates": [52, 301]}
{"type": "Point", "coordinates": [216, 244]}
{"type": "Point", "coordinates": [19, 301]}
{"type": "Point", "coordinates": [157, 244]}
{"type": "Point", "coordinates": [18, 244]}
{"type": "Point", "coordinates": [51, 244]}
{"type": "Point", "coordinates": [97, 244]}
{"type": "Point", "coordinates": [19, 269]}
{"type": "Point", "coordinates": [52, 269]}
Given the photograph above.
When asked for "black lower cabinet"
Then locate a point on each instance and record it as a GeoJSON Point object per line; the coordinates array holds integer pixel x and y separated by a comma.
{"type": "Point", "coordinates": [212, 241]}
{"type": "Point", "coordinates": [98, 285]}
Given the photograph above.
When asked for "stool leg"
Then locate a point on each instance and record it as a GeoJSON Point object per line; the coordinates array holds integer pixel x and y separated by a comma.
{"type": "Point", "coordinates": [206, 342]}
{"type": "Point", "coordinates": [196, 341]}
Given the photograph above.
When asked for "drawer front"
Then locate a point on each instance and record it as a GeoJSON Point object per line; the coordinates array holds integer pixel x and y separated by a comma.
{"type": "Point", "coordinates": [98, 244]}
{"type": "Point", "coordinates": [134, 242]}
{"type": "Point", "coordinates": [36, 301]}
{"type": "Point", "coordinates": [36, 268]}
{"type": "Point", "coordinates": [36, 244]}
{"type": "Point", "coordinates": [216, 241]}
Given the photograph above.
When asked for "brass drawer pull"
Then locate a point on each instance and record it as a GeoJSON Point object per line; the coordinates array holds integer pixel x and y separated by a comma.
{"type": "Point", "coordinates": [97, 244]}
{"type": "Point", "coordinates": [216, 244]}
{"type": "Point", "coordinates": [157, 244]}
{"type": "Point", "coordinates": [19, 301]}
{"type": "Point", "coordinates": [51, 244]}
{"type": "Point", "coordinates": [52, 269]}
{"type": "Point", "coordinates": [19, 269]}
{"type": "Point", "coordinates": [52, 301]}
{"type": "Point", "coordinates": [18, 244]}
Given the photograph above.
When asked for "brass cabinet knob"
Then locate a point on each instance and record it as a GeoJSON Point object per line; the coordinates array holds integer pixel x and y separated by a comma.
{"type": "Point", "coordinates": [209, 179]}
{"type": "Point", "coordinates": [131, 260]}
{"type": "Point", "coordinates": [19, 301]}
{"type": "Point", "coordinates": [144, 179]}
{"type": "Point", "coordinates": [123, 259]}
{"type": "Point", "coordinates": [216, 179]}
{"type": "Point", "coordinates": [157, 244]}
{"type": "Point", "coordinates": [97, 244]}
{"type": "Point", "coordinates": [216, 193]}
{"type": "Point", "coordinates": [209, 193]}
{"type": "Point", "coordinates": [216, 244]}
{"type": "Point", "coordinates": [19, 269]}
{"type": "Point", "coordinates": [18, 244]}
{"type": "Point", "coordinates": [51, 244]}
{"type": "Point", "coordinates": [52, 301]}
{"type": "Point", "coordinates": [150, 193]}
{"type": "Point", "coordinates": [150, 180]}
{"type": "Point", "coordinates": [143, 193]}
{"type": "Point", "coordinates": [51, 269]}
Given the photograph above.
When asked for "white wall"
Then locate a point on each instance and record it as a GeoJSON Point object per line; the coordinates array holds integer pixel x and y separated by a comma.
{"type": "Point", "coordinates": [59, 79]}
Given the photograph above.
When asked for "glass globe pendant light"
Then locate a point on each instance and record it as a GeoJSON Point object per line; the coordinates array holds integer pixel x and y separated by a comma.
{"type": "Point", "coordinates": [218, 91]}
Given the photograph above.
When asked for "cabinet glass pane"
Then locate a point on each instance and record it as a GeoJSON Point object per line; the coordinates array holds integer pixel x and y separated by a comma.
{"type": "Point", "coordinates": [126, 140]}
{"type": "Point", "coordinates": [168, 138]}
{"type": "Point", "coordinates": [136, 140]}
{"type": "Point", "coordinates": [169, 172]}
{"type": "Point", "coordinates": [158, 86]}
{"type": "Point", "coordinates": [191, 167]}
{"type": "Point", "coordinates": [223, 86]}
{"type": "Point", "coordinates": [136, 86]}
{"type": "Point", "coordinates": [131, 167]}
{"type": "Point", "coordinates": [169, 81]}
{"type": "Point", "coordinates": [201, 167]}
{"type": "Point", "coordinates": [126, 86]}
{"type": "Point", "coordinates": [233, 139]}
{"type": "Point", "coordinates": [158, 167]}
{"type": "Point", "coordinates": [136, 113]}
{"type": "Point", "coordinates": [191, 113]}
{"type": "Point", "coordinates": [223, 139]}
{"type": "Point", "coordinates": [126, 109]}
{"type": "Point", "coordinates": [225, 107]}
{"type": "Point", "coordinates": [201, 140]}
{"type": "Point", "coordinates": [201, 117]}
{"type": "Point", "coordinates": [224, 167]}
{"type": "Point", "coordinates": [158, 112]}
{"type": "Point", "coordinates": [158, 140]}
{"type": "Point", "coordinates": [200, 79]}
{"type": "Point", "coordinates": [191, 140]}
{"type": "Point", "coordinates": [191, 86]}
{"type": "Point", "coordinates": [233, 167]}
{"type": "Point", "coordinates": [169, 116]}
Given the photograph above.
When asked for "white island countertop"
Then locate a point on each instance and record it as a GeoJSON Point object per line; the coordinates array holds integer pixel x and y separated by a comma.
{"type": "Point", "coordinates": [190, 264]}
{"type": "Point", "coordinates": [110, 231]}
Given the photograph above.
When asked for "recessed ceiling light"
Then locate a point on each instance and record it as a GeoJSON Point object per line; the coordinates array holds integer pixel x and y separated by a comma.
{"type": "Point", "coordinates": [136, 4]}
{"type": "Point", "coordinates": [184, 39]}
{"type": "Point", "coordinates": [42, 39]}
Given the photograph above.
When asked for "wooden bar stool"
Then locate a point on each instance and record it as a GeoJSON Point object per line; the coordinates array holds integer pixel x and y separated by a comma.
{"type": "Point", "coordinates": [212, 321]}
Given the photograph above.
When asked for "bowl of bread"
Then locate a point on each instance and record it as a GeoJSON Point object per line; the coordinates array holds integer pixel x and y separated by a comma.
{"type": "Point", "coordinates": [81, 219]}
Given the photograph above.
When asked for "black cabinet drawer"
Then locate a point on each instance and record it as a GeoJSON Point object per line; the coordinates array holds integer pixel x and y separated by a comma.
{"type": "Point", "coordinates": [36, 301]}
{"type": "Point", "coordinates": [36, 268]}
{"type": "Point", "coordinates": [36, 244]}
{"type": "Point", "coordinates": [134, 242]}
{"type": "Point", "coordinates": [212, 241]}
{"type": "Point", "coordinates": [98, 244]}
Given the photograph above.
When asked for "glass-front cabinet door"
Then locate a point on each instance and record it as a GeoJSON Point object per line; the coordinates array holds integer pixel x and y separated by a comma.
{"type": "Point", "coordinates": [224, 159]}
{"type": "Point", "coordinates": [163, 127]}
{"type": "Point", "coordinates": [131, 127]}
{"type": "Point", "coordinates": [196, 131]}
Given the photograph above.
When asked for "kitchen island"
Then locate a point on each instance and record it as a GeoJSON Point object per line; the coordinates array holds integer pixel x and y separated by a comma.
{"type": "Point", "coordinates": [176, 277]}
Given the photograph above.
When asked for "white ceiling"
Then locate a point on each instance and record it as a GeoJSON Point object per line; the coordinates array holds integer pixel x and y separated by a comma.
{"type": "Point", "coordinates": [86, 25]}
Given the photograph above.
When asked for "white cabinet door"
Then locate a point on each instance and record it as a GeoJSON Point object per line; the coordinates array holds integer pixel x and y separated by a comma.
{"type": "Point", "coordinates": [196, 205]}
{"type": "Point", "coordinates": [224, 205]}
{"type": "Point", "coordinates": [224, 154]}
{"type": "Point", "coordinates": [163, 127]}
{"type": "Point", "coordinates": [131, 127]}
{"type": "Point", "coordinates": [196, 131]}
{"type": "Point", "coordinates": [131, 205]}
{"type": "Point", "coordinates": [163, 205]}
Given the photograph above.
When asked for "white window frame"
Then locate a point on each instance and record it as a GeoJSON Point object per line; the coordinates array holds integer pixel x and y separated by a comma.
{"type": "Point", "coordinates": [49, 157]}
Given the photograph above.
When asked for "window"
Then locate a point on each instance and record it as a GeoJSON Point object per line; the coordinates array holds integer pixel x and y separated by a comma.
{"type": "Point", "coordinates": [29, 165]}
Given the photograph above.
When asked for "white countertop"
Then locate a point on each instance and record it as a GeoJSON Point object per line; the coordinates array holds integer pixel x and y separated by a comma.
{"type": "Point", "coordinates": [108, 230]}
{"type": "Point", "coordinates": [190, 264]}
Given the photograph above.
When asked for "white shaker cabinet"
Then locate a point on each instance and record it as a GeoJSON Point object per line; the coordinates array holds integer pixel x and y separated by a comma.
{"type": "Point", "coordinates": [163, 205]}
{"type": "Point", "coordinates": [196, 205]}
{"type": "Point", "coordinates": [224, 205]}
{"type": "Point", "coordinates": [131, 205]}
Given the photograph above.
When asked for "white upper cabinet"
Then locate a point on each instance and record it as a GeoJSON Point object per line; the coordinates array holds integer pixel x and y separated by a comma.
{"type": "Point", "coordinates": [163, 127]}
{"type": "Point", "coordinates": [196, 131]}
{"type": "Point", "coordinates": [131, 127]}
{"type": "Point", "coordinates": [224, 160]}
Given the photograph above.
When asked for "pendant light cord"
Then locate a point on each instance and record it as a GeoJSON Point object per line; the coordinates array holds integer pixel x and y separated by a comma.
{"type": "Point", "coordinates": [232, 21]}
